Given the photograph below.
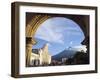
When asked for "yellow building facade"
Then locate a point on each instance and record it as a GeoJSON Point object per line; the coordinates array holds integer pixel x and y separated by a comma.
{"type": "Point", "coordinates": [40, 56]}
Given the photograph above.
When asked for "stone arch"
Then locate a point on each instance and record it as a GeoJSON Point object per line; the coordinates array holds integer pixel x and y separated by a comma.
{"type": "Point", "coordinates": [37, 20]}
{"type": "Point", "coordinates": [34, 24]}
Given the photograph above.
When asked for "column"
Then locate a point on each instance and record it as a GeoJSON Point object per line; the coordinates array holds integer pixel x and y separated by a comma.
{"type": "Point", "coordinates": [29, 44]}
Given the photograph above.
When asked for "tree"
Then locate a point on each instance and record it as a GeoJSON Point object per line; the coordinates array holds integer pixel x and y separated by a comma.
{"type": "Point", "coordinates": [81, 58]}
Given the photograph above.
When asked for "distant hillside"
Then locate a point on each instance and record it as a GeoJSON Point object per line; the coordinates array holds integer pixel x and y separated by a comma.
{"type": "Point", "coordinates": [64, 54]}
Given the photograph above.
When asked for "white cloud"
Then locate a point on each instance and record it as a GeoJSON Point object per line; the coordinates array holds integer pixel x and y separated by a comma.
{"type": "Point", "coordinates": [49, 34]}
{"type": "Point", "coordinates": [57, 29]}
{"type": "Point", "coordinates": [71, 43]}
{"type": "Point", "coordinates": [80, 48]}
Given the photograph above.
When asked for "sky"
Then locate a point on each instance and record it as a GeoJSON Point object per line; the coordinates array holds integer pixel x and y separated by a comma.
{"type": "Point", "coordinates": [60, 33]}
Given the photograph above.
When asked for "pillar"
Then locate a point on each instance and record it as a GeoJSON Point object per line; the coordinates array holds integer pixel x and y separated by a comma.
{"type": "Point", "coordinates": [29, 43]}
